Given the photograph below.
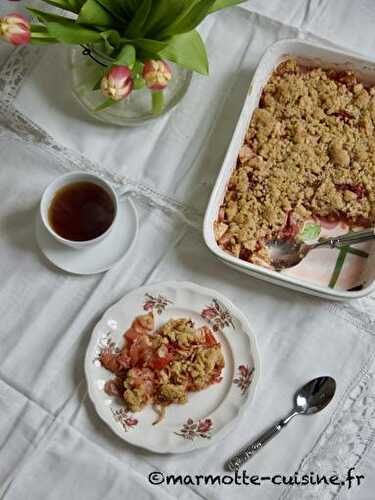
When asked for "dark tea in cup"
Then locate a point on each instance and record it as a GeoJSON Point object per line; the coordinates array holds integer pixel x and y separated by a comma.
{"type": "Point", "coordinates": [81, 211]}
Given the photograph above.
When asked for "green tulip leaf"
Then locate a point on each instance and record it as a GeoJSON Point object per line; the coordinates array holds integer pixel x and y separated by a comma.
{"type": "Point", "coordinates": [149, 46]}
{"type": "Point", "coordinates": [38, 28]}
{"type": "Point", "coordinates": [94, 14]}
{"type": "Point", "coordinates": [187, 50]}
{"type": "Point", "coordinates": [112, 37]}
{"type": "Point", "coordinates": [163, 13]}
{"type": "Point", "coordinates": [138, 23]}
{"type": "Point", "coordinates": [126, 57]}
{"type": "Point", "coordinates": [130, 7]}
{"type": "Point", "coordinates": [223, 4]}
{"type": "Point", "coordinates": [73, 34]}
{"type": "Point", "coordinates": [108, 48]}
{"type": "Point", "coordinates": [75, 4]}
{"type": "Point", "coordinates": [40, 35]}
{"type": "Point", "coordinates": [310, 232]}
{"type": "Point", "coordinates": [42, 40]}
{"type": "Point", "coordinates": [115, 8]}
{"type": "Point", "coordinates": [193, 14]}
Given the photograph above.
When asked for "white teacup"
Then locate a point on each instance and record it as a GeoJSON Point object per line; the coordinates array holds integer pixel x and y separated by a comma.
{"type": "Point", "coordinates": [66, 180]}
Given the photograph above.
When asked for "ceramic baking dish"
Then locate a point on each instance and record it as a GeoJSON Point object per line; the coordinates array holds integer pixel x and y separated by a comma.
{"type": "Point", "coordinates": [358, 274]}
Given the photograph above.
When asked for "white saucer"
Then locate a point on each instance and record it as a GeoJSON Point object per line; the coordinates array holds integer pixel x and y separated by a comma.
{"type": "Point", "coordinates": [96, 259]}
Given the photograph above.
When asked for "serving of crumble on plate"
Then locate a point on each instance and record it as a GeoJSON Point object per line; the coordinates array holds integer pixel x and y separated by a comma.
{"type": "Point", "coordinates": [173, 354]}
{"type": "Point", "coordinates": [160, 367]}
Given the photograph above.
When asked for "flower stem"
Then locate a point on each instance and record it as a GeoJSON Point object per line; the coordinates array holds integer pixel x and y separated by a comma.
{"type": "Point", "coordinates": [157, 102]}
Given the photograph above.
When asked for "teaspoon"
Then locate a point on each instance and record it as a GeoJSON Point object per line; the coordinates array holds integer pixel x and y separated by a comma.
{"type": "Point", "coordinates": [288, 253]}
{"type": "Point", "coordinates": [311, 398]}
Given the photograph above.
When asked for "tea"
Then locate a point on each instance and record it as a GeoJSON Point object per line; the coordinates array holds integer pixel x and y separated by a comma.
{"type": "Point", "coordinates": [81, 211]}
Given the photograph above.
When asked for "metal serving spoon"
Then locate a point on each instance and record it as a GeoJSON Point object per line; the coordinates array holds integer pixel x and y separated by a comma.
{"type": "Point", "coordinates": [311, 398]}
{"type": "Point", "coordinates": [289, 253]}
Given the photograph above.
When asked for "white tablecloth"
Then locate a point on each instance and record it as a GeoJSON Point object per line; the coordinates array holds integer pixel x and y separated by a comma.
{"type": "Point", "coordinates": [53, 445]}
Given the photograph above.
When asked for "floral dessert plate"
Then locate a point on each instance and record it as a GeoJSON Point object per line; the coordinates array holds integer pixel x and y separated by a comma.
{"type": "Point", "coordinates": [209, 414]}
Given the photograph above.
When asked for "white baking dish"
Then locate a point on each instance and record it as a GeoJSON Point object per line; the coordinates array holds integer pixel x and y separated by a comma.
{"type": "Point", "coordinates": [310, 54]}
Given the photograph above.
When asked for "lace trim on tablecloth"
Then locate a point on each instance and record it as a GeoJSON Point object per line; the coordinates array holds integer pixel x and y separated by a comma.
{"type": "Point", "coordinates": [360, 313]}
{"type": "Point", "coordinates": [346, 440]}
{"type": "Point", "coordinates": [15, 70]}
{"type": "Point", "coordinates": [30, 132]}
{"type": "Point", "coordinates": [351, 433]}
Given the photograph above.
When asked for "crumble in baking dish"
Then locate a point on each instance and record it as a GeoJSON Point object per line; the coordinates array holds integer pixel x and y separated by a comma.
{"type": "Point", "coordinates": [309, 152]}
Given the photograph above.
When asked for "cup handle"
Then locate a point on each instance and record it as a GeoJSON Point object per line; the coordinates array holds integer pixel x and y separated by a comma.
{"type": "Point", "coordinates": [123, 193]}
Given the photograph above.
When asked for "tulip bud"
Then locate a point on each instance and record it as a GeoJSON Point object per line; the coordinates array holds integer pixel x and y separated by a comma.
{"type": "Point", "coordinates": [117, 83]}
{"type": "Point", "coordinates": [157, 74]}
{"type": "Point", "coordinates": [15, 28]}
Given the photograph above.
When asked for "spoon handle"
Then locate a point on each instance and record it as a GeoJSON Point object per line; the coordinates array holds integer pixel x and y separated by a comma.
{"type": "Point", "coordinates": [236, 462]}
{"type": "Point", "coordinates": [350, 238]}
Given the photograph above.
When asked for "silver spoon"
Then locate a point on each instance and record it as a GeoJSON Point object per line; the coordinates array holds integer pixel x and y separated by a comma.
{"type": "Point", "coordinates": [289, 253]}
{"type": "Point", "coordinates": [311, 398]}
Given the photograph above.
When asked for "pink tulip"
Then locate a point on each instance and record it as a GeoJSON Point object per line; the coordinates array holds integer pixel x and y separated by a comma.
{"type": "Point", "coordinates": [117, 83]}
{"type": "Point", "coordinates": [157, 74]}
{"type": "Point", "coordinates": [15, 28]}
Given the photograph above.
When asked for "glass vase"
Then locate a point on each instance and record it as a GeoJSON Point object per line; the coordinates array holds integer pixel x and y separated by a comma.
{"type": "Point", "coordinates": [88, 64]}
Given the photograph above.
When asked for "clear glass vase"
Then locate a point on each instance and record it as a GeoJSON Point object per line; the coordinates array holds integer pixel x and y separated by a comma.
{"type": "Point", "coordinates": [87, 66]}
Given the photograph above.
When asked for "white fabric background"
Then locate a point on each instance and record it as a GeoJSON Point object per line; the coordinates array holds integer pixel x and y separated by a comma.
{"type": "Point", "coordinates": [52, 444]}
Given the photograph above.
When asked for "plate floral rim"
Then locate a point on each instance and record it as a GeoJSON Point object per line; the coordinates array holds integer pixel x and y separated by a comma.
{"type": "Point", "coordinates": [195, 434]}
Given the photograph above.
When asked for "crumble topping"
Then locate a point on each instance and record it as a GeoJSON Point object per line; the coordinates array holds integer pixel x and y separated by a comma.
{"type": "Point", "coordinates": [309, 152]}
{"type": "Point", "coordinates": [162, 367]}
